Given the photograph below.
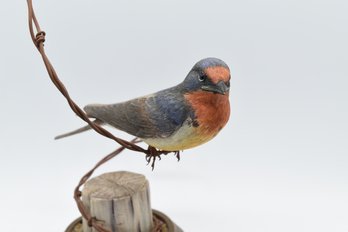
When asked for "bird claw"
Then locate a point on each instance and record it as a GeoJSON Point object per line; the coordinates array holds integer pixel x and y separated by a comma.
{"type": "Point", "coordinates": [153, 154]}
{"type": "Point", "coordinates": [177, 154]}
{"type": "Point", "coordinates": [151, 158]}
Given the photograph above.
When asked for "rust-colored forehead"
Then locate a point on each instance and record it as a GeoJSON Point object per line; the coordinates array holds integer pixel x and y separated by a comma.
{"type": "Point", "coordinates": [217, 73]}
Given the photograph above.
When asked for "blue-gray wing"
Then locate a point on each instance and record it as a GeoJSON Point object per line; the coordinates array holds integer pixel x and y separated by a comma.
{"type": "Point", "coordinates": [153, 116]}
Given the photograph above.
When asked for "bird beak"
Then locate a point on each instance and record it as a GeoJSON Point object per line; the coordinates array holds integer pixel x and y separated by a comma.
{"type": "Point", "coordinates": [220, 88]}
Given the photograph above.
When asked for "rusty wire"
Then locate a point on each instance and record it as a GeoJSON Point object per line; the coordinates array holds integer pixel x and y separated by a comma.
{"type": "Point", "coordinates": [92, 221]}
{"type": "Point", "coordinates": [38, 38]}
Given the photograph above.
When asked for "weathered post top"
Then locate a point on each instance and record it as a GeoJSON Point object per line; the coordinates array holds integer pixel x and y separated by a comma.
{"type": "Point", "coordinates": [121, 200]}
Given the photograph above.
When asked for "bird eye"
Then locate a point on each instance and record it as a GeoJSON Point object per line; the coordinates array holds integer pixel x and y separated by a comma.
{"type": "Point", "coordinates": [202, 78]}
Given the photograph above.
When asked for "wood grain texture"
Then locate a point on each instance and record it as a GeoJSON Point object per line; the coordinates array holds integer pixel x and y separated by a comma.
{"type": "Point", "coordinates": [121, 200]}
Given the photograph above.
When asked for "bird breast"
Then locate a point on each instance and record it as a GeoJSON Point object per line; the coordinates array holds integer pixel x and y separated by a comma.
{"type": "Point", "coordinates": [211, 115]}
{"type": "Point", "coordinates": [211, 110]}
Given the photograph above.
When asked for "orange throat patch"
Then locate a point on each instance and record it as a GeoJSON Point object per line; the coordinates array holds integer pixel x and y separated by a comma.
{"type": "Point", "coordinates": [212, 112]}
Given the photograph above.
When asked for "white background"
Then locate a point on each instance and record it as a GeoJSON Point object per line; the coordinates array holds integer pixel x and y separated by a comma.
{"type": "Point", "coordinates": [281, 163]}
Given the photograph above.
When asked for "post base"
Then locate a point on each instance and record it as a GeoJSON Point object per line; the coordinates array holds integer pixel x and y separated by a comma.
{"type": "Point", "coordinates": [169, 225]}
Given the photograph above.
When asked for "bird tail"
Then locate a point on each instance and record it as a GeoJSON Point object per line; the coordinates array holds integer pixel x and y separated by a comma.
{"type": "Point", "coordinates": [80, 130]}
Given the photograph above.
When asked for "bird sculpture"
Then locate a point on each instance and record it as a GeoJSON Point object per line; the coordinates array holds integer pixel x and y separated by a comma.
{"type": "Point", "coordinates": [174, 119]}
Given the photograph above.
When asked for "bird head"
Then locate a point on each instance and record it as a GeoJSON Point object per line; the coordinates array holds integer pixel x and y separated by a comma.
{"type": "Point", "coordinates": [210, 75]}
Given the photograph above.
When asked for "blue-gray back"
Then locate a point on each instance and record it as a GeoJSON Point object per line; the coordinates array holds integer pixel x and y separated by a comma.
{"type": "Point", "coordinates": [154, 116]}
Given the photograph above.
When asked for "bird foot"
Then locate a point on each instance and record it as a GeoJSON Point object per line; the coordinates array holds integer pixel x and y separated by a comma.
{"type": "Point", "coordinates": [152, 154]}
{"type": "Point", "coordinates": [177, 154]}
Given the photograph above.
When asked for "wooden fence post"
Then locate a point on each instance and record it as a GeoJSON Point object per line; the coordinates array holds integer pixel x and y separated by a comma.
{"type": "Point", "coordinates": [121, 200]}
